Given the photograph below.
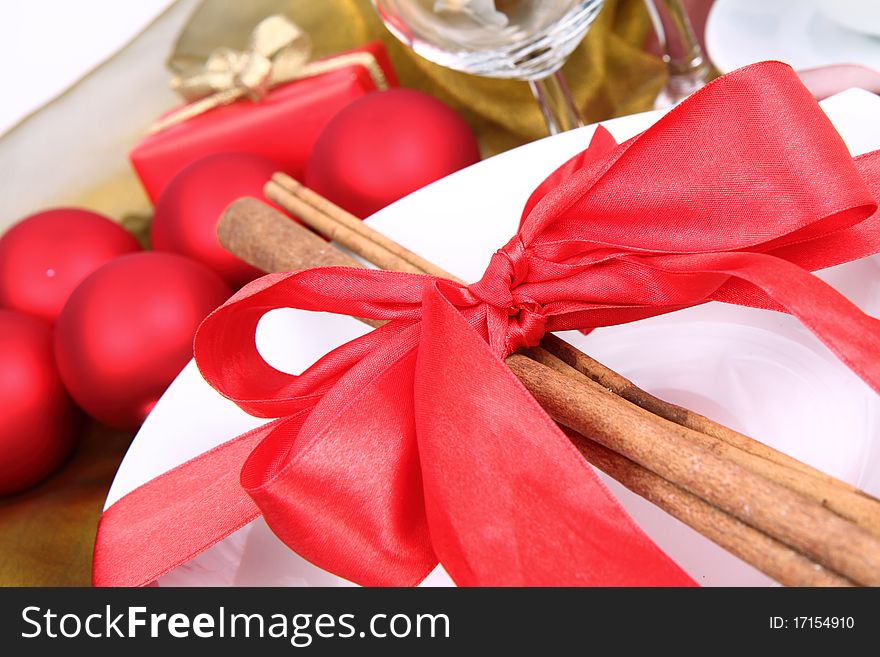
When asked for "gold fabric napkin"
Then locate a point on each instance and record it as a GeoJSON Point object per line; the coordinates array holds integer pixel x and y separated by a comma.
{"type": "Point", "coordinates": [47, 533]}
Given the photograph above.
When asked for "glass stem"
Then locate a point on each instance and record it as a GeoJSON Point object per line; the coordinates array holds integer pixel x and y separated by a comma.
{"type": "Point", "coordinates": [689, 68]}
{"type": "Point", "coordinates": [557, 106]}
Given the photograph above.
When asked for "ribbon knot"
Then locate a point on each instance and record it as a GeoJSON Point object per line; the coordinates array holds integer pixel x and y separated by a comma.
{"type": "Point", "coordinates": [278, 49]}
{"type": "Point", "coordinates": [525, 328]}
{"type": "Point", "coordinates": [514, 322]}
{"type": "Point", "coordinates": [507, 269]}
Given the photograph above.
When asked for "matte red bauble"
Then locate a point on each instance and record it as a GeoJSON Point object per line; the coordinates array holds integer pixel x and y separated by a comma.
{"type": "Point", "coordinates": [127, 331]}
{"type": "Point", "coordinates": [46, 255]}
{"type": "Point", "coordinates": [190, 206]}
{"type": "Point", "coordinates": [38, 421]}
{"type": "Point", "coordinates": [384, 146]}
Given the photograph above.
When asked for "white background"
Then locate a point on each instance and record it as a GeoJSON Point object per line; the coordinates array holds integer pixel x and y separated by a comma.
{"type": "Point", "coordinates": [47, 45]}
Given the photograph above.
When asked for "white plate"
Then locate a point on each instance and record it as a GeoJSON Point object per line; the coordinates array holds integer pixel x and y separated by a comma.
{"type": "Point", "coordinates": [758, 371]}
{"type": "Point", "coordinates": [739, 32]}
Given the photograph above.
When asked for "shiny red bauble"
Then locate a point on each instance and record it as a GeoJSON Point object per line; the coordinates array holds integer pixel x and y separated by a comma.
{"type": "Point", "coordinates": [127, 331]}
{"type": "Point", "coordinates": [384, 146]}
{"type": "Point", "coordinates": [46, 255]}
{"type": "Point", "coordinates": [38, 421]}
{"type": "Point", "coordinates": [190, 206]}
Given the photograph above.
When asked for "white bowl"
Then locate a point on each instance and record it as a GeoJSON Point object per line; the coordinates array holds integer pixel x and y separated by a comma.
{"type": "Point", "coordinates": [857, 15]}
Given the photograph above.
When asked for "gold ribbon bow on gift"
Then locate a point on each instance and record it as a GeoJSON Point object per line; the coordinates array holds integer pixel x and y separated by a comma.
{"type": "Point", "coordinates": [278, 52]}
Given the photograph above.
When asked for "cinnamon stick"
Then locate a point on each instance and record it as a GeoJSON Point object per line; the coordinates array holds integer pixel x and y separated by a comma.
{"type": "Point", "coordinates": [253, 231]}
{"type": "Point", "coordinates": [339, 225]}
{"type": "Point", "coordinates": [235, 226]}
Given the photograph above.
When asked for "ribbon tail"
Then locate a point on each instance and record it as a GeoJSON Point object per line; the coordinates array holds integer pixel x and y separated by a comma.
{"type": "Point", "coordinates": [510, 501]}
{"type": "Point", "coordinates": [176, 516]}
{"type": "Point", "coordinates": [343, 489]}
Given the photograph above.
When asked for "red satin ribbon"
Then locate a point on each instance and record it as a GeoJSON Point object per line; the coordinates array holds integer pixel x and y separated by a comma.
{"type": "Point", "coordinates": [415, 443]}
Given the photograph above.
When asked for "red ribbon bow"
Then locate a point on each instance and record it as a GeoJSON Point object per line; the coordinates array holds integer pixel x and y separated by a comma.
{"type": "Point", "coordinates": [415, 443]}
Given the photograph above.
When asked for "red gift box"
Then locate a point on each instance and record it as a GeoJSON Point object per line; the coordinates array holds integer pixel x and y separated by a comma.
{"type": "Point", "coordinates": [282, 127]}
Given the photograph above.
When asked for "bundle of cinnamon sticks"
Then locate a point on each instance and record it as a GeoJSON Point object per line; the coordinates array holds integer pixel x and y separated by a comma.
{"type": "Point", "coordinates": [798, 525]}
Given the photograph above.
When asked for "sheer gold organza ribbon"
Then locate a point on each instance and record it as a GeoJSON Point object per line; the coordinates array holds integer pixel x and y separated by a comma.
{"type": "Point", "coordinates": [278, 52]}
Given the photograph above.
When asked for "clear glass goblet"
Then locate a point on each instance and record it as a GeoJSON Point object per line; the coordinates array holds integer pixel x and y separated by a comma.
{"type": "Point", "coordinates": [519, 39]}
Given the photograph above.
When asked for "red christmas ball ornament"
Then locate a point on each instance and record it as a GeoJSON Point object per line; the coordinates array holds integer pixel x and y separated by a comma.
{"type": "Point", "coordinates": [190, 206]}
{"type": "Point", "coordinates": [384, 146]}
{"type": "Point", "coordinates": [127, 331]}
{"type": "Point", "coordinates": [38, 421]}
{"type": "Point", "coordinates": [46, 255]}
